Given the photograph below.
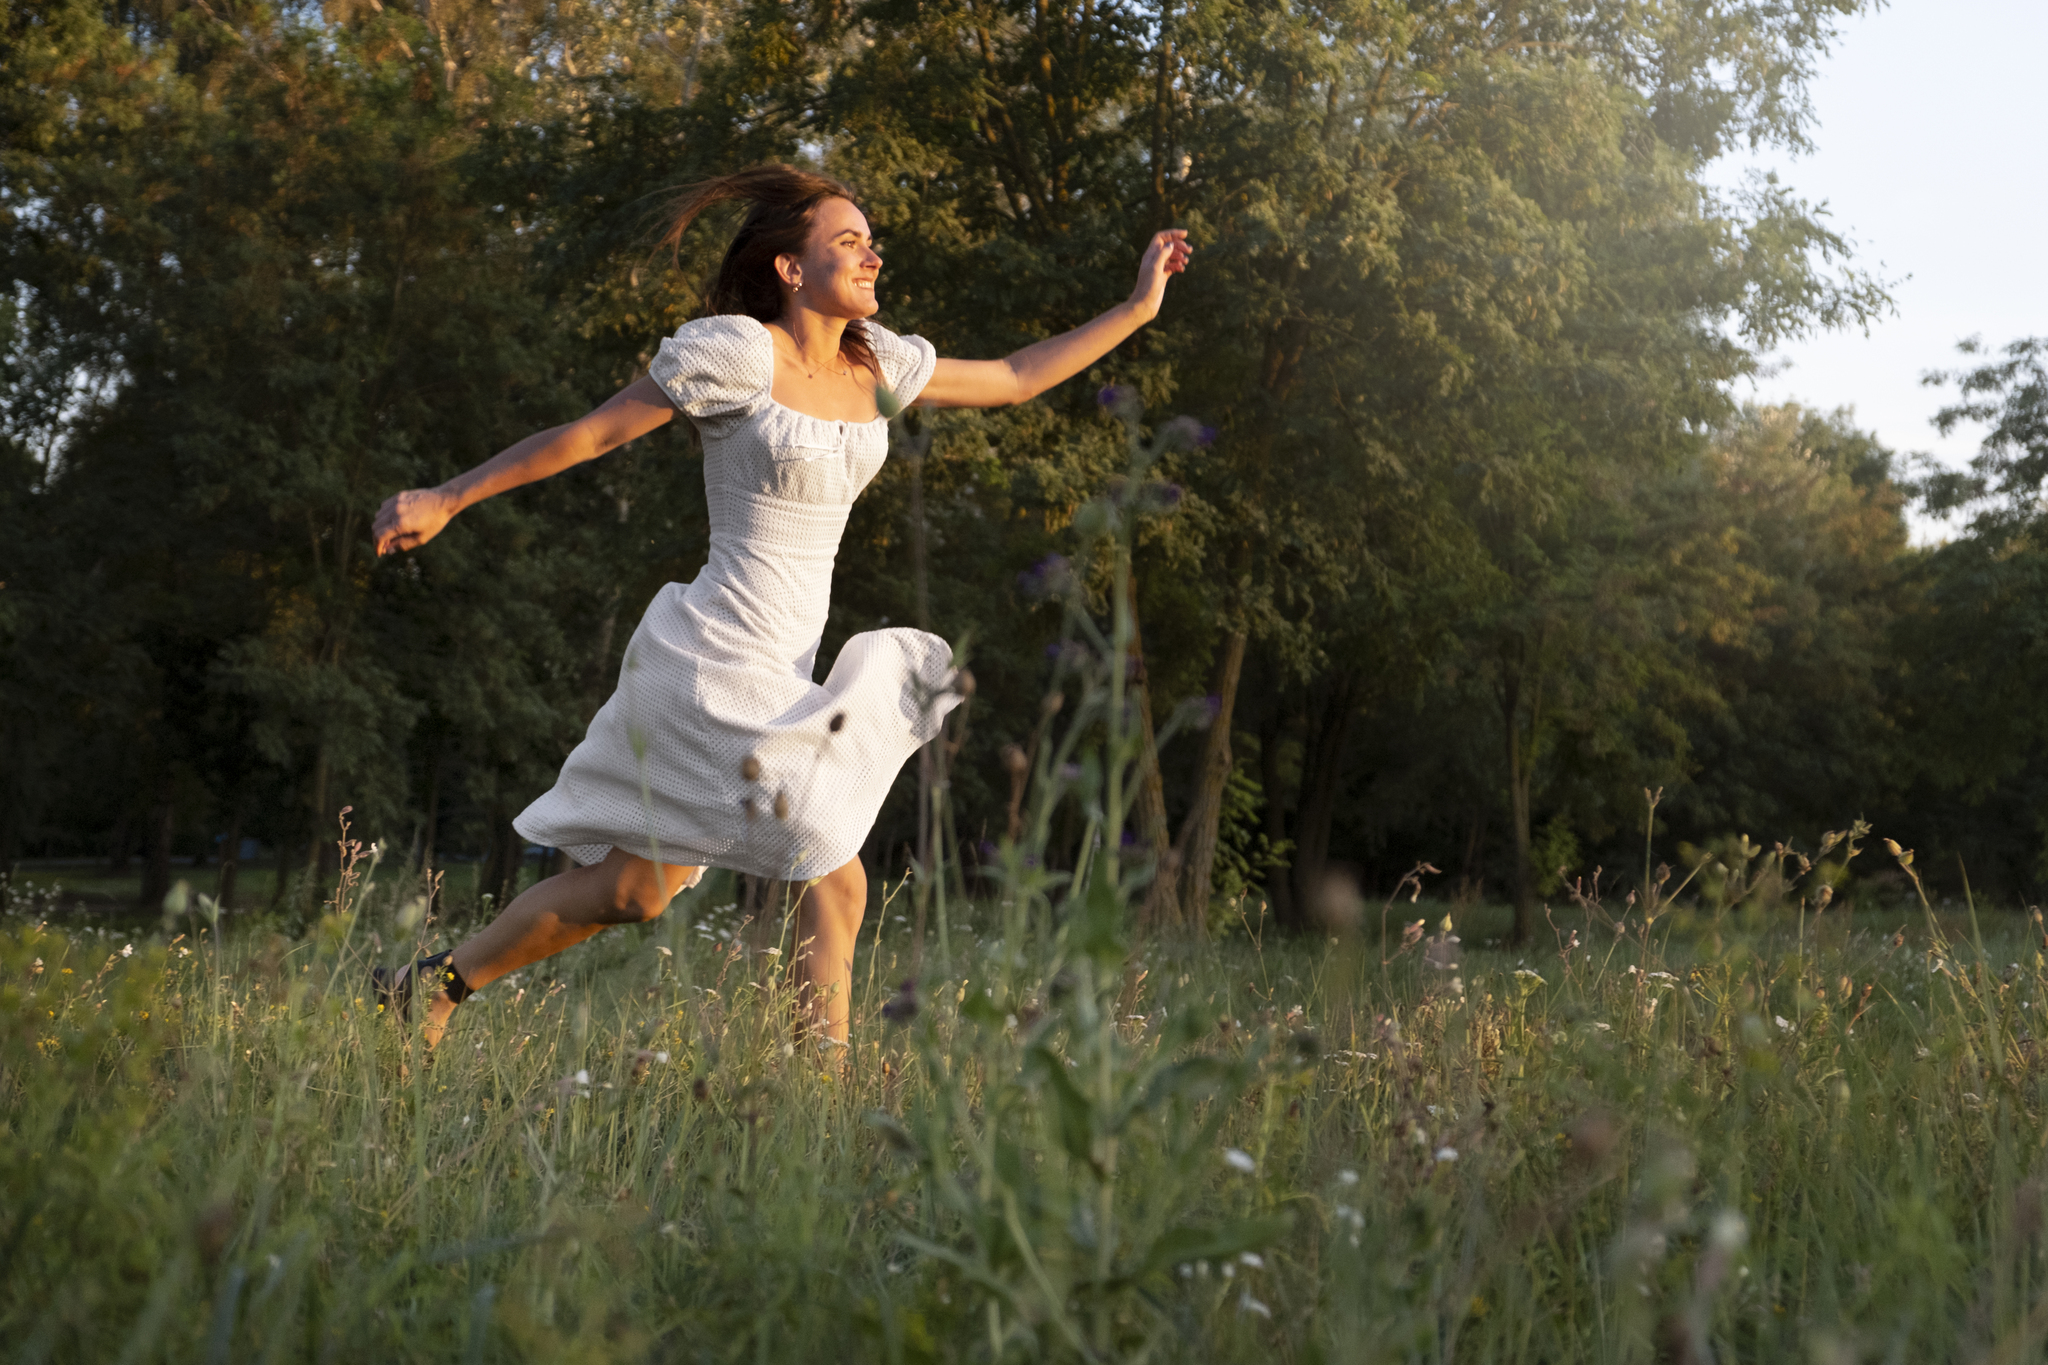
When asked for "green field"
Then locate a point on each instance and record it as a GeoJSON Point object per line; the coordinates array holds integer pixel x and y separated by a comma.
{"type": "Point", "coordinates": [1742, 1136]}
{"type": "Point", "coordinates": [94, 890]}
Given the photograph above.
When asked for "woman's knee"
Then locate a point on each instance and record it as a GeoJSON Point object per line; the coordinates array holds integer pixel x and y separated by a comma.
{"type": "Point", "coordinates": [847, 893]}
{"type": "Point", "coordinates": [639, 891]}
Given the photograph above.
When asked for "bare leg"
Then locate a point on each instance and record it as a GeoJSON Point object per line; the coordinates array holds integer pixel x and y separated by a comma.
{"type": "Point", "coordinates": [827, 926]}
{"type": "Point", "coordinates": [560, 912]}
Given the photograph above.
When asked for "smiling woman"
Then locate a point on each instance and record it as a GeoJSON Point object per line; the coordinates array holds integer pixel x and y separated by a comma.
{"type": "Point", "coordinates": [718, 748]}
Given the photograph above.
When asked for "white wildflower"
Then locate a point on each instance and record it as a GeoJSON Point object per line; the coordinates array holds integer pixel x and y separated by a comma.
{"type": "Point", "coordinates": [1447, 1154]}
{"type": "Point", "coordinates": [1239, 1160]}
{"type": "Point", "coordinates": [1252, 1259]}
{"type": "Point", "coordinates": [1347, 1176]}
{"type": "Point", "coordinates": [1782, 1022]}
{"type": "Point", "coordinates": [1247, 1304]}
{"type": "Point", "coordinates": [128, 950]}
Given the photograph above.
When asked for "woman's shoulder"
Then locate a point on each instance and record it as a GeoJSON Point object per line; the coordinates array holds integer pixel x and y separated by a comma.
{"type": "Point", "coordinates": [906, 361]}
{"type": "Point", "coordinates": [715, 364]}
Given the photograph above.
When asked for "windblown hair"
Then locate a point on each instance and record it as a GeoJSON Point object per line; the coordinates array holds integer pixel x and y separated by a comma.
{"type": "Point", "coordinates": [782, 201]}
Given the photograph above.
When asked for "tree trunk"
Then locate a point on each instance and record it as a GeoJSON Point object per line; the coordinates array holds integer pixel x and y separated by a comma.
{"type": "Point", "coordinates": [1161, 906]}
{"type": "Point", "coordinates": [156, 872]}
{"type": "Point", "coordinates": [1197, 845]}
{"type": "Point", "coordinates": [118, 849]}
{"type": "Point", "coordinates": [319, 805]}
{"type": "Point", "coordinates": [230, 858]}
{"type": "Point", "coordinates": [1518, 808]}
{"type": "Point", "coordinates": [1322, 765]}
{"type": "Point", "coordinates": [433, 814]}
{"type": "Point", "coordinates": [1286, 906]}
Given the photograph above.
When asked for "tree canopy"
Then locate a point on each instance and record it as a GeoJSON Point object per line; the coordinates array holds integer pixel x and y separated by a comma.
{"type": "Point", "coordinates": [1476, 548]}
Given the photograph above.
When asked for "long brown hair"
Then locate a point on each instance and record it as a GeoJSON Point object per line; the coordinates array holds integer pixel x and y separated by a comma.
{"type": "Point", "coordinates": [782, 202]}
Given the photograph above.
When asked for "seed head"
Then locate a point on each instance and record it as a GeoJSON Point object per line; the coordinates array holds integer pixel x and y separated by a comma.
{"type": "Point", "coordinates": [782, 805]}
{"type": "Point", "coordinates": [750, 768]}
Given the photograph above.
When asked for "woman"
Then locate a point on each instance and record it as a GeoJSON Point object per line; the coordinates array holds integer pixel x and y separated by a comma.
{"type": "Point", "coordinates": [717, 748]}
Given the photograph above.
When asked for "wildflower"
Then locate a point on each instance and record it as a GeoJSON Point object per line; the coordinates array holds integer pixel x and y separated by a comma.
{"type": "Point", "coordinates": [1247, 1304]}
{"type": "Point", "coordinates": [1252, 1259]}
{"type": "Point", "coordinates": [902, 1007]}
{"type": "Point", "coordinates": [1347, 1176]}
{"type": "Point", "coordinates": [128, 950]}
{"type": "Point", "coordinates": [1784, 1024]}
{"type": "Point", "coordinates": [1049, 577]}
{"type": "Point", "coordinates": [1447, 1154]}
{"type": "Point", "coordinates": [663, 951]}
{"type": "Point", "coordinates": [771, 952]}
{"type": "Point", "coordinates": [1239, 1160]}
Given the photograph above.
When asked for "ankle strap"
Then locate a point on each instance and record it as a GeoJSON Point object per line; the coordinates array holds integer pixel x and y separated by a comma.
{"type": "Point", "coordinates": [440, 969]}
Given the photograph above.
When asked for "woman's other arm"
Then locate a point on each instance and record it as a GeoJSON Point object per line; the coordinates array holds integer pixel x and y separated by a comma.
{"type": "Point", "coordinates": [409, 520]}
{"type": "Point", "coordinates": [1036, 368]}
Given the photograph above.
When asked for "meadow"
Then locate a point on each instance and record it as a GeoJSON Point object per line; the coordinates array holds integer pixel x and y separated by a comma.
{"type": "Point", "coordinates": [1728, 1126]}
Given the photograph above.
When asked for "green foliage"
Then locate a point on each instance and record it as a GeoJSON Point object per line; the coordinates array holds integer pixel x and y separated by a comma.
{"type": "Point", "coordinates": [1462, 309]}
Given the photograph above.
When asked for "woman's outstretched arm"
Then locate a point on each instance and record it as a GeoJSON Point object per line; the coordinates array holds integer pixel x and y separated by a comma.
{"type": "Point", "coordinates": [1036, 368]}
{"type": "Point", "coordinates": [410, 519]}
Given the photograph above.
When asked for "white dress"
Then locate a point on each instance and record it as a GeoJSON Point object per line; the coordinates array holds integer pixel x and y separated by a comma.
{"type": "Point", "coordinates": [718, 749]}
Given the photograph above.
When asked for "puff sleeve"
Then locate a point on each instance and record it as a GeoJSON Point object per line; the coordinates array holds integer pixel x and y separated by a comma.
{"type": "Point", "coordinates": [716, 367]}
{"type": "Point", "coordinates": [907, 362]}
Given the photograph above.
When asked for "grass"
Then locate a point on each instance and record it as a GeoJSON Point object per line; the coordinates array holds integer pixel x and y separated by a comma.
{"type": "Point", "coordinates": [221, 1152]}
{"type": "Point", "coordinates": [1725, 1120]}
{"type": "Point", "coordinates": [91, 886]}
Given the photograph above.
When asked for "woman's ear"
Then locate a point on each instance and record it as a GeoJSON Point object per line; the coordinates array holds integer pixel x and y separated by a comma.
{"type": "Point", "coordinates": [790, 271]}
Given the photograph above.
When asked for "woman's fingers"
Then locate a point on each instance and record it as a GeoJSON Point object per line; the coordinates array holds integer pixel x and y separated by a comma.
{"type": "Point", "coordinates": [405, 522]}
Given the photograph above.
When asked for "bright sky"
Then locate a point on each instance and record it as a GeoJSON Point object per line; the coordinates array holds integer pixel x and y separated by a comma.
{"type": "Point", "coordinates": [1931, 154]}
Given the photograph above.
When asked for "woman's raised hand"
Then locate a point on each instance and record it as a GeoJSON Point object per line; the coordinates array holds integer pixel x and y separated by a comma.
{"type": "Point", "coordinates": [410, 519]}
{"type": "Point", "coordinates": [1167, 255]}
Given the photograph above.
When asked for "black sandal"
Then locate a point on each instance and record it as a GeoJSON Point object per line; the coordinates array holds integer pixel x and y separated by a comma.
{"type": "Point", "coordinates": [394, 988]}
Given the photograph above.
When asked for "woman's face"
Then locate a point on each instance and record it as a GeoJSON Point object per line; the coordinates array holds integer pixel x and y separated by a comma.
{"type": "Point", "coordinates": [838, 268]}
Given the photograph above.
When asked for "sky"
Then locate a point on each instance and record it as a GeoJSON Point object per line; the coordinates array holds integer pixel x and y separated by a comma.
{"type": "Point", "coordinates": [1931, 155]}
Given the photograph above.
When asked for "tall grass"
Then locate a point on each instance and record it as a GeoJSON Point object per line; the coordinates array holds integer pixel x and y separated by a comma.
{"type": "Point", "coordinates": [1724, 1119]}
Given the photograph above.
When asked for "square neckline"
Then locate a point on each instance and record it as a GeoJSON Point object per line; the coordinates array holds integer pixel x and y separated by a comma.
{"type": "Point", "coordinates": [768, 390]}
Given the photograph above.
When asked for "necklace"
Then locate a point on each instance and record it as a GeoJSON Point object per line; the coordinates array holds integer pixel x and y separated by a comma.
{"type": "Point", "coordinates": [811, 373]}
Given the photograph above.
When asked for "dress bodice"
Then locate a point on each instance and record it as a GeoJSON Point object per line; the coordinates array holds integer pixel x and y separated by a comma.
{"type": "Point", "coordinates": [778, 483]}
{"type": "Point", "coordinates": [719, 748]}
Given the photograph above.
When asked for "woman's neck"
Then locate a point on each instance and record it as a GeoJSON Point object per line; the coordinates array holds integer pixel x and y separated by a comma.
{"type": "Point", "coordinates": [814, 337]}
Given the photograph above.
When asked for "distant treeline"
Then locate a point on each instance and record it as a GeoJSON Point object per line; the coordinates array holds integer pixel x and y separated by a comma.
{"type": "Point", "coordinates": [1482, 550]}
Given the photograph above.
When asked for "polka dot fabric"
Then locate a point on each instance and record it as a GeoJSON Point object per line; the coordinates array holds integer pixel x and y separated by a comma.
{"type": "Point", "coordinates": [718, 749]}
